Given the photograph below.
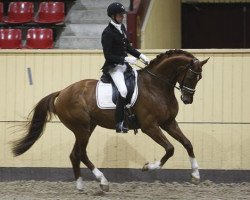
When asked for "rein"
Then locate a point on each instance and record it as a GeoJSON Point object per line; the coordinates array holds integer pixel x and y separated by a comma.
{"type": "Point", "coordinates": [182, 86]}
{"type": "Point", "coordinates": [157, 76]}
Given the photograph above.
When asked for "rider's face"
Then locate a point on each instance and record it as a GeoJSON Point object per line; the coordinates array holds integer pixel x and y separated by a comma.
{"type": "Point", "coordinates": [119, 18]}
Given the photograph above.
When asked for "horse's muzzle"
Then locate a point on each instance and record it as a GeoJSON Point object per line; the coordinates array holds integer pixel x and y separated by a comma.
{"type": "Point", "coordinates": [187, 99]}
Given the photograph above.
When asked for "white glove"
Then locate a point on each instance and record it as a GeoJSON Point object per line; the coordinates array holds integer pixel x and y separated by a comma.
{"type": "Point", "coordinates": [144, 58]}
{"type": "Point", "coordinates": [131, 60]}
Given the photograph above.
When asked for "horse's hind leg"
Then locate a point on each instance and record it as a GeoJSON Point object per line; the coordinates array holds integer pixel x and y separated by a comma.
{"type": "Point", "coordinates": [79, 153]}
{"type": "Point", "coordinates": [174, 130]}
{"type": "Point", "coordinates": [75, 161]}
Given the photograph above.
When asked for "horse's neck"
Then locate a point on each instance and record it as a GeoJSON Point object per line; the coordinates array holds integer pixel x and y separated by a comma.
{"type": "Point", "coordinates": [158, 81]}
{"type": "Point", "coordinates": [170, 66]}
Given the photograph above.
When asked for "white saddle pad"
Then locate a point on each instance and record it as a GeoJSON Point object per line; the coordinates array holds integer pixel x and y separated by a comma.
{"type": "Point", "coordinates": [104, 95]}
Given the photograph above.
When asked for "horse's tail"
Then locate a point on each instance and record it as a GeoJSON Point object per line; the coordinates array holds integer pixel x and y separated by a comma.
{"type": "Point", "coordinates": [41, 114]}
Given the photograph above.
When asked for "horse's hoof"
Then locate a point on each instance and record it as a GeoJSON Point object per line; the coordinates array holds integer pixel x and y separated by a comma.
{"type": "Point", "coordinates": [79, 184]}
{"type": "Point", "coordinates": [145, 167]}
{"type": "Point", "coordinates": [195, 181]}
{"type": "Point", "coordinates": [80, 189]}
{"type": "Point", "coordinates": [104, 188]}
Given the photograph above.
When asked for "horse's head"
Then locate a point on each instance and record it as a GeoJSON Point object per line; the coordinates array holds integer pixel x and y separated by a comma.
{"type": "Point", "coordinates": [188, 79]}
{"type": "Point", "coordinates": [178, 66]}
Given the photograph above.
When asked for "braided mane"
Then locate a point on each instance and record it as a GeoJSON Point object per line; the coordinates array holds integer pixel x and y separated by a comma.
{"type": "Point", "coordinates": [168, 54]}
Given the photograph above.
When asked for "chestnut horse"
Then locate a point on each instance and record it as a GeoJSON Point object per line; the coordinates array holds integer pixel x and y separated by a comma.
{"type": "Point", "coordinates": [156, 108]}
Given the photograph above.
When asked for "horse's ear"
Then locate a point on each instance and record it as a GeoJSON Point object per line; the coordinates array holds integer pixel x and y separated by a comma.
{"type": "Point", "coordinates": [204, 62]}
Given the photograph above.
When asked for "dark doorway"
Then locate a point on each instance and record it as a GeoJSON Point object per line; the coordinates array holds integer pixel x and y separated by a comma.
{"type": "Point", "coordinates": [215, 25]}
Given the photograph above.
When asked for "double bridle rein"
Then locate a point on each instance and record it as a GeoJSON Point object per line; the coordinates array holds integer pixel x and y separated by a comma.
{"type": "Point", "coordinates": [168, 82]}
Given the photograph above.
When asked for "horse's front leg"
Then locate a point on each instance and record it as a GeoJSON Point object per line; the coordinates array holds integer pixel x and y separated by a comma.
{"type": "Point", "coordinates": [156, 134]}
{"type": "Point", "coordinates": [174, 130]}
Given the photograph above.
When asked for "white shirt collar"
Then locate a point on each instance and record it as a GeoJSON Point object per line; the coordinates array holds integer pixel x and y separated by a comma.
{"type": "Point", "coordinates": [117, 26]}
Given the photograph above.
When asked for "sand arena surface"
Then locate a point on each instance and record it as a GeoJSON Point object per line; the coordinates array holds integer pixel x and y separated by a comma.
{"type": "Point", "coordinates": [33, 190]}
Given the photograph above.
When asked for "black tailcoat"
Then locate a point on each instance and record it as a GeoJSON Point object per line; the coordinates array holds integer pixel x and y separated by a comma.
{"type": "Point", "coordinates": [115, 47]}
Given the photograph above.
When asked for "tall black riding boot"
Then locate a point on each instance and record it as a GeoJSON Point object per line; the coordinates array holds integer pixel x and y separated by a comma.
{"type": "Point", "coordinates": [119, 115]}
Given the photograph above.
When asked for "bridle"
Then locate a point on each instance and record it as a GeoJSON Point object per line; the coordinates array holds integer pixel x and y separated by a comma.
{"type": "Point", "coordinates": [189, 68]}
{"type": "Point", "coordinates": [182, 87]}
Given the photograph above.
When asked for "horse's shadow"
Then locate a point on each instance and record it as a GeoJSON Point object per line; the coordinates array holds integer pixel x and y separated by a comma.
{"type": "Point", "coordinates": [122, 161]}
{"type": "Point", "coordinates": [119, 153]}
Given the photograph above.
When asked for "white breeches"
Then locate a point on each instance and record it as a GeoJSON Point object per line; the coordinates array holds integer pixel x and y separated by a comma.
{"type": "Point", "coordinates": [117, 74]}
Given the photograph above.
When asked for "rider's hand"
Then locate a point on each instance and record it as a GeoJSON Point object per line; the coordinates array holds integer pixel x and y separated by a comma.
{"type": "Point", "coordinates": [130, 60]}
{"type": "Point", "coordinates": [144, 58]}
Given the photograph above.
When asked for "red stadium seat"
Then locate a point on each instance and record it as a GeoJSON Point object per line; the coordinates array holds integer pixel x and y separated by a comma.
{"type": "Point", "coordinates": [10, 39]}
{"type": "Point", "coordinates": [39, 38]}
{"type": "Point", "coordinates": [50, 13]}
{"type": "Point", "coordinates": [1, 11]}
{"type": "Point", "coordinates": [20, 12]}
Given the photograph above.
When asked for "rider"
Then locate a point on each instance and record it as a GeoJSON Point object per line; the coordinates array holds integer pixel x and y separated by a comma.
{"type": "Point", "coordinates": [115, 48]}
